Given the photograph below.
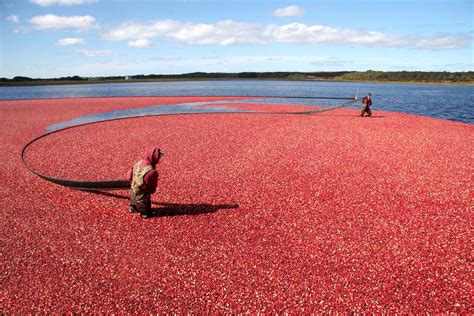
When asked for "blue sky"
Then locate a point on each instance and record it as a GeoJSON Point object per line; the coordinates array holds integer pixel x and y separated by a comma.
{"type": "Point", "coordinates": [54, 38]}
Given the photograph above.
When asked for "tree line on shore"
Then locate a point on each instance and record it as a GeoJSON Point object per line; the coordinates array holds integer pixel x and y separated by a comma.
{"type": "Point", "coordinates": [394, 76]}
{"type": "Point", "coordinates": [416, 76]}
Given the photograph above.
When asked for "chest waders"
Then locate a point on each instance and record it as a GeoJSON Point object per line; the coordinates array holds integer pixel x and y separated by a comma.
{"type": "Point", "coordinates": [140, 197]}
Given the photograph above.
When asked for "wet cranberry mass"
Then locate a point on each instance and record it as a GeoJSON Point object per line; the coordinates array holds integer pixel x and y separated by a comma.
{"type": "Point", "coordinates": [256, 212]}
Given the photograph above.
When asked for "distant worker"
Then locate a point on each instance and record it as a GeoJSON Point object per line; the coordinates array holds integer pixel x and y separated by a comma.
{"type": "Point", "coordinates": [144, 179]}
{"type": "Point", "coordinates": [366, 103]}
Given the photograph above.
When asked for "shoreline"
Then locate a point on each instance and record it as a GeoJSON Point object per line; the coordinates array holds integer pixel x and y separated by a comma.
{"type": "Point", "coordinates": [46, 82]}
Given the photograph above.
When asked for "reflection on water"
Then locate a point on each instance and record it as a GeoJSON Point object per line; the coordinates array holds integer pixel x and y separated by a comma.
{"type": "Point", "coordinates": [440, 101]}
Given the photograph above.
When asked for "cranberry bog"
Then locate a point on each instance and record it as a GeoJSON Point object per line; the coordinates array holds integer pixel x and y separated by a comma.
{"type": "Point", "coordinates": [256, 212]}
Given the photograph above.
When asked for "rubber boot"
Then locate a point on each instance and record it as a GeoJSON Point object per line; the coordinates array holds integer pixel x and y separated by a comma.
{"type": "Point", "coordinates": [146, 215]}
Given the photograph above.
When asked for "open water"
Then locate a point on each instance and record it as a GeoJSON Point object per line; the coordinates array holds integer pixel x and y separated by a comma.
{"type": "Point", "coordinates": [440, 101]}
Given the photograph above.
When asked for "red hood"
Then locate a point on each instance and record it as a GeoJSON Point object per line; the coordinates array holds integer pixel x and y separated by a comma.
{"type": "Point", "coordinates": [152, 155]}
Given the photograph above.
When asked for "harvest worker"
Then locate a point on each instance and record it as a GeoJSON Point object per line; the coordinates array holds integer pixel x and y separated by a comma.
{"type": "Point", "coordinates": [144, 179]}
{"type": "Point", "coordinates": [366, 103]}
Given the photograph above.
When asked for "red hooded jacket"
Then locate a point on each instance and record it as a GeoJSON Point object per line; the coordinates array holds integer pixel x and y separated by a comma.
{"type": "Point", "coordinates": [152, 156]}
{"type": "Point", "coordinates": [367, 100]}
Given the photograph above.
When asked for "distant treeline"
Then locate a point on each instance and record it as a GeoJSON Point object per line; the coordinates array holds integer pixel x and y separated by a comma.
{"type": "Point", "coordinates": [411, 76]}
{"type": "Point", "coordinates": [393, 76]}
{"type": "Point", "coordinates": [248, 75]}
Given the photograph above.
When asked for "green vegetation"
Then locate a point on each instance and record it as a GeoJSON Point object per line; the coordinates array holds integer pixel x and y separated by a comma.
{"type": "Point", "coordinates": [377, 76]}
{"type": "Point", "coordinates": [248, 75]}
{"type": "Point", "coordinates": [409, 76]}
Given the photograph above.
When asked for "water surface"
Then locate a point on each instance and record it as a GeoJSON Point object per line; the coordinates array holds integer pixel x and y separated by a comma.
{"type": "Point", "coordinates": [440, 101]}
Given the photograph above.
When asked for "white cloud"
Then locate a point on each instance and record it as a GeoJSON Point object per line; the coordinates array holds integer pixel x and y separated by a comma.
{"type": "Point", "coordinates": [297, 33]}
{"type": "Point", "coordinates": [94, 53]}
{"type": "Point", "coordinates": [443, 41]}
{"type": "Point", "coordinates": [70, 41]}
{"type": "Point", "coordinates": [13, 18]}
{"type": "Point", "coordinates": [54, 22]}
{"type": "Point", "coordinates": [135, 30]}
{"type": "Point", "coordinates": [291, 10]}
{"type": "Point", "coordinates": [47, 3]}
{"type": "Point", "coordinates": [221, 33]}
{"type": "Point", "coordinates": [141, 43]}
{"type": "Point", "coordinates": [229, 32]}
{"type": "Point", "coordinates": [21, 30]}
